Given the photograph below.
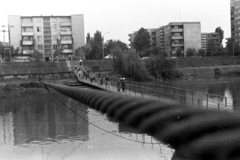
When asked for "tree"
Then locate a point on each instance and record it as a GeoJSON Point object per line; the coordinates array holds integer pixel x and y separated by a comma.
{"type": "Point", "coordinates": [37, 56]}
{"type": "Point", "coordinates": [213, 49]}
{"type": "Point", "coordinates": [88, 38]}
{"type": "Point", "coordinates": [179, 52]}
{"type": "Point", "coordinates": [129, 64]}
{"type": "Point", "coordinates": [230, 44]}
{"type": "Point", "coordinates": [93, 48]}
{"type": "Point", "coordinates": [111, 44]}
{"type": "Point", "coordinates": [191, 52]}
{"type": "Point", "coordinates": [201, 52]}
{"type": "Point", "coordinates": [141, 41]}
{"type": "Point", "coordinates": [221, 33]}
{"type": "Point", "coordinates": [80, 52]}
{"type": "Point", "coordinates": [161, 68]}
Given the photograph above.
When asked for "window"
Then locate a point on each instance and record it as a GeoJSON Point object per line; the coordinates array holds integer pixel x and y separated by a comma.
{"type": "Point", "coordinates": [54, 38]}
{"type": "Point", "coordinates": [27, 29]}
{"type": "Point", "coordinates": [26, 20]}
{"type": "Point", "coordinates": [39, 38]}
{"type": "Point", "coordinates": [66, 38]}
{"type": "Point", "coordinates": [40, 47]}
{"type": "Point", "coordinates": [54, 20]}
{"type": "Point", "coordinates": [47, 46]}
{"type": "Point", "coordinates": [65, 29]}
{"type": "Point", "coordinates": [65, 20]}
{"type": "Point", "coordinates": [54, 28]}
{"type": "Point", "coordinates": [27, 38]}
{"type": "Point", "coordinates": [54, 46]}
{"type": "Point", "coordinates": [67, 46]}
{"type": "Point", "coordinates": [39, 20]}
{"type": "Point", "coordinates": [39, 29]}
{"type": "Point", "coordinates": [27, 48]}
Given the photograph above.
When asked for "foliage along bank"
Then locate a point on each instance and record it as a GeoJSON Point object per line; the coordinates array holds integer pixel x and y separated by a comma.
{"type": "Point", "coordinates": [128, 63]}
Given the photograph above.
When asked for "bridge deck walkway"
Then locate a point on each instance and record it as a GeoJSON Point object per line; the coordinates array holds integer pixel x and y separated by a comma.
{"type": "Point", "coordinates": [112, 88]}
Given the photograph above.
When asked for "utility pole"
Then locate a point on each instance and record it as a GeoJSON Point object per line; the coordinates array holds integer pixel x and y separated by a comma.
{"type": "Point", "coordinates": [9, 33]}
{"type": "Point", "coordinates": [233, 46]}
{"type": "Point", "coordinates": [103, 43]}
{"type": "Point", "coordinates": [3, 35]}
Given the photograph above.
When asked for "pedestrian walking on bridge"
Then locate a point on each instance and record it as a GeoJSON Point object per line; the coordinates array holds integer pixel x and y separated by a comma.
{"type": "Point", "coordinates": [123, 82]}
{"type": "Point", "coordinates": [118, 83]}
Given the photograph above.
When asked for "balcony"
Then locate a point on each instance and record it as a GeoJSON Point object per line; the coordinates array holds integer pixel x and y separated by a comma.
{"type": "Point", "coordinates": [67, 51]}
{"type": "Point", "coordinates": [27, 43]}
{"type": "Point", "coordinates": [66, 33]}
{"type": "Point", "coordinates": [177, 44]}
{"type": "Point", "coordinates": [176, 30]}
{"type": "Point", "coordinates": [27, 24]}
{"type": "Point", "coordinates": [66, 41]}
{"type": "Point", "coordinates": [177, 37]}
{"type": "Point", "coordinates": [27, 33]}
{"type": "Point", "coordinates": [28, 52]}
{"type": "Point", "coordinates": [65, 24]}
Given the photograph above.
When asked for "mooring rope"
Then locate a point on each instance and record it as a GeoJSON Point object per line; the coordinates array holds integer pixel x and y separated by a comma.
{"type": "Point", "coordinates": [192, 132]}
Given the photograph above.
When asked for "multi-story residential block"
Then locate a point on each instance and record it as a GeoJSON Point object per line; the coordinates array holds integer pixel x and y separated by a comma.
{"type": "Point", "coordinates": [176, 35]}
{"type": "Point", "coordinates": [235, 20]}
{"type": "Point", "coordinates": [131, 38]}
{"type": "Point", "coordinates": [47, 33]}
{"type": "Point", "coordinates": [213, 37]}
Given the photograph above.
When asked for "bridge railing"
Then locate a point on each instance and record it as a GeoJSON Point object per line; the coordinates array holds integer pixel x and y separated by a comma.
{"type": "Point", "coordinates": [184, 96]}
{"type": "Point", "coordinates": [173, 94]}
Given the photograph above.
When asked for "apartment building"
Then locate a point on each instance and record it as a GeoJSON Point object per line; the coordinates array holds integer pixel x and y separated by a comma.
{"type": "Point", "coordinates": [47, 33]}
{"type": "Point", "coordinates": [235, 20]}
{"type": "Point", "coordinates": [213, 37]}
{"type": "Point", "coordinates": [176, 35]}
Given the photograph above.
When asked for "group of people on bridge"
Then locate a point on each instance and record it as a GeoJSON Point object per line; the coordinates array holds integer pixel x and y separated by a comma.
{"type": "Point", "coordinates": [98, 78]}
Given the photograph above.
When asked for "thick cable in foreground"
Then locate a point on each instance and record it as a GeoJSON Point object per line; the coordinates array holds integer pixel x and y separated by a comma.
{"type": "Point", "coordinates": [192, 132]}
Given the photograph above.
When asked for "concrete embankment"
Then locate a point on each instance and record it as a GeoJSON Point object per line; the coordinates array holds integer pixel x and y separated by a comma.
{"type": "Point", "coordinates": [208, 71]}
{"type": "Point", "coordinates": [48, 70]}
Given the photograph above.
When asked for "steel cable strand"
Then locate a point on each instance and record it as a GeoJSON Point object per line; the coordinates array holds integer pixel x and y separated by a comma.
{"type": "Point", "coordinates": [172, 125]}
{"type": "Point", "coordinates": [165, 116]}
{"type": "Point", "coordinates": [218, 146]}
{"type": "Point", "coordinates": [112, 104]}
{"type": "Point", "coordinates": [207, 124]}
{"type": "Point", "coordinates": [134, 119]}
{"type": "Point", "coordinates": [121, 114]}
{"type": "Point", "coordinates": [195, 126]}
{"type": "Point", "coordinates": [81, 109]}
{"type": "Point", "coordinates": [104, 129]}
{"type": "Point", "coordinates": [100, 127]}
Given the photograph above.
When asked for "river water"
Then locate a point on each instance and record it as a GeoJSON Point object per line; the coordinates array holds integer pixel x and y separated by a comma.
{"type": "Point", "coordinates": [36, 126]}
{"type": "Point", "coordinates": [217, 91]}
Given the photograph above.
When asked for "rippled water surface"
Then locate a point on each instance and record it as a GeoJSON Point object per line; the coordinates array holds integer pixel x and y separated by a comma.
{"type": "Point", "coordinates": [36, 126]}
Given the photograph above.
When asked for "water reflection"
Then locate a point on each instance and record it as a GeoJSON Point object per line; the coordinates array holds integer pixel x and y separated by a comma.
{"type": "Point", "coordinates": [213, 93]}
{"type": "Point", "coordinates": [37, 126]}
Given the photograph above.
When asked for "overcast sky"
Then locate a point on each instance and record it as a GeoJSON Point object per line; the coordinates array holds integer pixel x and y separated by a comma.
{"type": "Point", "coordinates": [121, 17]}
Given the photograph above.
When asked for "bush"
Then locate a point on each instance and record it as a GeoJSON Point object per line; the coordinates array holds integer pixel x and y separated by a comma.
{"type": "Point", "coordinates": [162, 68]}
{"type": "Point", "coordinates": [191, 52]}
{"type": "Point", "coordinates": [37, 56]}
{"type": "Point", "coordinates": [129, 64]}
